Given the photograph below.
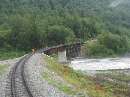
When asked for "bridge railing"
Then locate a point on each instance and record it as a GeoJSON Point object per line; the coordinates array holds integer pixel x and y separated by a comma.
{"type": "Point", "coordinates": [72, 50]}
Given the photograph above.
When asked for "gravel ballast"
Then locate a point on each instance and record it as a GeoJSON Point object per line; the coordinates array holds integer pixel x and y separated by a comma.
{"type": "Point", "coordinates": [38, 85]}
{"type": "Point", "coordinates": [4, 75]}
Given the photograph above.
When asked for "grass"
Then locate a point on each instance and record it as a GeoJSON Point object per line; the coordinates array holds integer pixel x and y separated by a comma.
{"type": "Point", "coordinates": [117, 76]}
{"type": "Point", "coordinates": [10, 53]}
{"type": "Point", "coordinates": [118, 85]}
{"type": "Point", "coordinates": [2, 68]}
{"type": "Point", "coordinates": [61, 86]}
{"type": "Point", "coordinates": [119, 89]}
{"type": "Point", "coordinates": [81, 82]}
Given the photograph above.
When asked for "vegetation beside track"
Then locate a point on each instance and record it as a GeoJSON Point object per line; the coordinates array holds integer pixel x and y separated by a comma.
{"type": "Point", "coordinates": [116, 81]}
{"type": "Point", "coordinates": [82, 83]}
{"type": "Point", "coordinates": [2, 68]}
{"type": "Point", "coordinates": [10, 53]}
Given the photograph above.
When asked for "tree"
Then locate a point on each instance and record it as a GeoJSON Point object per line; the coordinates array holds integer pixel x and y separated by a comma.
{"type": "Point", "coordinates": [117, 43]}
{"type": "Point", "coordinates": [59, 35]}
{"type": "Point", "coordinates": [94, 49]}
{"type": "Point", "coordinates": [2, 41]}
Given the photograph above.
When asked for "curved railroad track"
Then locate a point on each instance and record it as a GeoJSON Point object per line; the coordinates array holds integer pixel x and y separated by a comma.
{"type": "Point", "coordinates": [18, 86]}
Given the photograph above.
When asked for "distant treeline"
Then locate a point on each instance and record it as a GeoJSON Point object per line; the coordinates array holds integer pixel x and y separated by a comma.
{"type": "Point", "coordinates": [26, 24]}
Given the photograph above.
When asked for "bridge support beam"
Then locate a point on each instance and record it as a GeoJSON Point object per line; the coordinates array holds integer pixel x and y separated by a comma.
{"type": "Point", "coordinates": [62, 58]}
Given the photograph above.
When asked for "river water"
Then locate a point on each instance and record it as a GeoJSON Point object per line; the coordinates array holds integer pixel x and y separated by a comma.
{"type": "Point", "coordinates": [100, 64]}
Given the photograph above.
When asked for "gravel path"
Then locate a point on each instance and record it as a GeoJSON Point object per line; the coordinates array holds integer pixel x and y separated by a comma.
{"type": "Point", "coordinates": [4, 76]}
{"type": "Point", "coordinates": [39, 86]}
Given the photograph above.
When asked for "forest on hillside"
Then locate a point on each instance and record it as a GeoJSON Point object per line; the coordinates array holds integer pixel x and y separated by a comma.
{"type": "Point", "coordinates": [103, 24]}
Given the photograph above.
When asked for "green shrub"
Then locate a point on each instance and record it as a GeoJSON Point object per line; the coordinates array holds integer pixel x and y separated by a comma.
{"type": "Point", "coordinates": [2, 68]}
{"type": "Point", "coordinates": [82, 84]}
{"type": "Point", "coordinates": [9, 53]}
{"type": "Point", "coordinates": [107, 44]}
{"type": "Point", "coordinates": [93, 48]}
{"type": "Point", "coordinates": [119, 44]}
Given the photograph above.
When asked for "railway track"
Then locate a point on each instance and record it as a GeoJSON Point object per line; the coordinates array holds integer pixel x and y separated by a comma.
{"type": "Point", "coordinates": [18, 85]}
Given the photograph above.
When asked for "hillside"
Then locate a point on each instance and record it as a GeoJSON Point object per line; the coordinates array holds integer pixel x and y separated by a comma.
{"type": "Point", "coordinates": [111, 10]}
{"type": "Point", "coordinates": [26, 24]}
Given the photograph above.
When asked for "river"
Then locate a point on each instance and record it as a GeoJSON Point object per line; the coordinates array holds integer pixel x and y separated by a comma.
{"type": "Point", "coordinates": [100, 64]}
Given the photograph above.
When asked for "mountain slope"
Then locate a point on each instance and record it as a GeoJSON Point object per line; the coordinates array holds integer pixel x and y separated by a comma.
{"type": "Point", "coordinates": [41, 20]}
{"type": "Point", "coordinates": [117, 10]}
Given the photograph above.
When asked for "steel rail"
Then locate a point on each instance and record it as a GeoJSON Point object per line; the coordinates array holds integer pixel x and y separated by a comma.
{"type": "Point", "coordinates": [22, 63]}
{"type": "Point", "coordinates": [24, 77]}
{"type": "Point", "coordinates": [13, 84]}
{"type": "Point", "coordinates": [13, 77]}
